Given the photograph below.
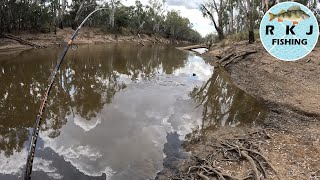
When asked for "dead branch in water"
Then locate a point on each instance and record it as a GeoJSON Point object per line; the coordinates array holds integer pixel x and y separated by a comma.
{"type": "Point", "coordinates": [22, 41]}
{"type": "Point", "coordinates": [193, 47]}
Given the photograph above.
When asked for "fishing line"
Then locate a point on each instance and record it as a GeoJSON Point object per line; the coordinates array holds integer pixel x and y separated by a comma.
{"type": "Point", "coordinates": [36, 128]}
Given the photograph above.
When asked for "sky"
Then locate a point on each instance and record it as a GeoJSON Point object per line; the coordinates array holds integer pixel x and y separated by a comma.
{"type": "Point", "coordinates": [188, 9]}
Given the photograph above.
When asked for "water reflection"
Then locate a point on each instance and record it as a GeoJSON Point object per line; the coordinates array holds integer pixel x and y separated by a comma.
{"type": "Point", "coordinates": [224, 104]}
{"type": "Point", "coordinates": [108, 114]}
{"type": "Point", "coordinates": [116, 111]}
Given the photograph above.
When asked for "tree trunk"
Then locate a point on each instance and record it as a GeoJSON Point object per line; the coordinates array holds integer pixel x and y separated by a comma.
{"type": "Point", "coordinates": [61, 25]}
{"type": "Point", "coordinates": [251, 37]}
{"type": "Point", "coordinates": [220, 34]}
{"type": "Point", "coordinates": [218, 28]}
{"type": "Point", "coordinates": [111, 18]}
{"type": "Point", "coordinates": [61, 13]}
{"type": "Point", "coordinates": [251, 22]}
{"type": "Point", "coordinates": [231, 20]}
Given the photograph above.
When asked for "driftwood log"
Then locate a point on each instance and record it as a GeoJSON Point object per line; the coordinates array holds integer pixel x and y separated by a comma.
{"type": "Point", "coordinates": [22, 41]}
{"type": "Point", "coordinates": [193, 47]}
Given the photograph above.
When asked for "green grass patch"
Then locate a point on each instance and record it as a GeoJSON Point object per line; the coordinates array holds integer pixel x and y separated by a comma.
{"type": "Point", "coordinates": [241, 36]}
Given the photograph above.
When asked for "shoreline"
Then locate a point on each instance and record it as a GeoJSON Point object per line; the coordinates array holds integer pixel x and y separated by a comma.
{"type": "Point", "coordinates": [287, 139]}
{"type": "Point", "coordinates": [85, 36]}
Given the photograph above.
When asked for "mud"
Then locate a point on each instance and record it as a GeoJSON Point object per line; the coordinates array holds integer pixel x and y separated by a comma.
{"type": "Point", "coordinates": [291, 93]}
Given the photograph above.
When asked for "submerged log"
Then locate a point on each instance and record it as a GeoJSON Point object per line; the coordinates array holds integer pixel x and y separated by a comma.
{"type": "Point", "coordinates": [193, 47]}
{"type": "Point", "coordinates": [22, 41]}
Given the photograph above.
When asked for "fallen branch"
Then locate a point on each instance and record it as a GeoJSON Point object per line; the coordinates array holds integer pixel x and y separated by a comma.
{"type": "Point", "coordinates": [226, 57]}
{"type": "Point", "coordinates": [241, 55]}
{"type": "Point", "coordinates": [193, 47]}
{"type": "Point", "coordinates": [140, 40]}
{"type": "Point", "coordinates": [22, 41]}
{"type": "Point", "coordinates": [152, 41]}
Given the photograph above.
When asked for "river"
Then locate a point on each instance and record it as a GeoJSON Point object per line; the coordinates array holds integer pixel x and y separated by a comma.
{"type": "Point", "coordinates": [117, 111]}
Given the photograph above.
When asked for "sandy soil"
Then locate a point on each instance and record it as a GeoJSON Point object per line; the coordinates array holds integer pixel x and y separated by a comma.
{"type": "Point", "coordinates": [290, 139]}
{"type": "Point", "coordinates": [85, 36]}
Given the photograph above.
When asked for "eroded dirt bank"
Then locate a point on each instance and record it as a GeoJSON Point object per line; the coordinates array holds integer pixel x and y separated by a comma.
{"type": "Point", "coordinates": [85, 36]}
{"type": "Point", "coordinates": [286, 145]}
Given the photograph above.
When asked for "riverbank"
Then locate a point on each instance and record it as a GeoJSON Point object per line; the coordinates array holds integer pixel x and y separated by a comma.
{"type": "Point", "coordinates": [85, 36]}
{"type": "Point", "coordinates": [286, 144]}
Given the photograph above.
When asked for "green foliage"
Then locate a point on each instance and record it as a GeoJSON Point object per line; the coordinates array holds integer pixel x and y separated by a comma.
{"type": "Point", "coordinates": [241, 36]}
{"type": "Point", "coordinates": [237, 16]}
{"type": "Point", "coordinates": [23, 15]}
{"type": "Point", "coordinates": [46, 15]}
{"type": "Point", "coordinates": [122, 17]}
{"type": "Point", "coordinates": [178, 27]}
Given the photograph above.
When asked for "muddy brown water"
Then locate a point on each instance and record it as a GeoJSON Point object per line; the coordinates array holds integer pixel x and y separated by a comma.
{"type": "Point", "coordinates": [116, 111]}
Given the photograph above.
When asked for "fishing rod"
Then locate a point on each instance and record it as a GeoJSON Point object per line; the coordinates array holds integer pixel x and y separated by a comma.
{"type": "Point", "coordinates": [36, 129]}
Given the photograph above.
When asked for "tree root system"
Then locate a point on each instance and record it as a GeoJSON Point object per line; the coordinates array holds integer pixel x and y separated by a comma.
{"type": "Point", "coordinates": [237, 158]}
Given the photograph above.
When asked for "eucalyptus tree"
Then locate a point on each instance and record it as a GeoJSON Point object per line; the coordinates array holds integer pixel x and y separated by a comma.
{"type": "Point", "coordinates": [231, 8]}
{"type": "Point", "coordinates": [138, 18]}
{"type": "Point", "coordinates": [77, 9]}
{"type": "Point", "coordinates": [218, 7]}
{"type": "Point", "coordinates": [158, 7]}
{"type": "Point", "coordinates": [267, 4]}
{"type": "Point", "coordinates": [62, 11]}
{"type": "Point", "coordinates": [42, 15]}
{"type": "Point", "coordinates": [113, 5]}
{"type": "Point", "coordinates": [248, 6]}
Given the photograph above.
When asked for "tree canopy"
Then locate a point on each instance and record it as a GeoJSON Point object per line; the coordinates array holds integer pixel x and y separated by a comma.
{"type": "Point", "coordinates": [48, 15]}
{"type": "Point", "coordinates": [234, 16]}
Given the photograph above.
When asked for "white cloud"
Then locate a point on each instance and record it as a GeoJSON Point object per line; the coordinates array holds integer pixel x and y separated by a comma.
{"type": "Point", "coordinates": [133, 129]}
{"type": "Point", "coordinates": [46, 166]}
{"type": "Point", "coordinates": [196, 65]}
{"type": "Point", "coordinates": [185, 3]}
{"type": "Point", "coordinates": [188, 9]}
{"type": "Point", "coordinates": [201, 24]}
{"type": "Point", "coordinates": [14, 163]}
{"type": "Point", "coordinates": [85, 124]}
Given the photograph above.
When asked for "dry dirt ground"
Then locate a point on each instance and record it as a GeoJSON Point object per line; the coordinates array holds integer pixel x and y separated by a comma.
{"type": "Point", "coordinates": [286, 145]}
{"type": "Point", "coordinates": [85, 36]}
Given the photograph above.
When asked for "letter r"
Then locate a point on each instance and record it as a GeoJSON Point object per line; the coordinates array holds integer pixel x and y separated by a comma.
{"type": "Point", "coordinates": [270, 29]}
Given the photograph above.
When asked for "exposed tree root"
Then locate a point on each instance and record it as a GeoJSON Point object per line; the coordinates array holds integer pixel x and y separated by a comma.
{"type": "Point", "coordinates": [233, 56]}
{"type": "Point", "coordinates": [239, 151]}
{"type": "Point", "coordinates": [252, 163]}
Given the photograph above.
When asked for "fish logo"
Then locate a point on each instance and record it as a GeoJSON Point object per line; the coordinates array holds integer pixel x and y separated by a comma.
{"type": "Point", "coordinates": [293, 14]}
{"type": "Point", "coordinates": [295, 33]}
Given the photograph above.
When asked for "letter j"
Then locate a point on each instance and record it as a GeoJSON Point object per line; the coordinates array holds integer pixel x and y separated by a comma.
{"type": "Point", "coordinates": [311, 30]}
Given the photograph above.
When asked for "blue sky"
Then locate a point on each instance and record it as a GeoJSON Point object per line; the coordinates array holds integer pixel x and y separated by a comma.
{"type": "Point", "coordinates": [189, 9]}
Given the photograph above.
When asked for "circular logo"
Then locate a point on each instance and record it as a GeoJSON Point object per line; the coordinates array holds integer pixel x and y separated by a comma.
{"type": "Point", "coordinates": [289, 31]}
